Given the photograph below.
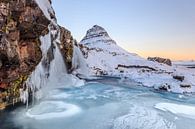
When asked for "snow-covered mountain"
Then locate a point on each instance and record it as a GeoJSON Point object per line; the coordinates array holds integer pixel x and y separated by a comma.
{"type": "Point", "coordinates": [105, 57]}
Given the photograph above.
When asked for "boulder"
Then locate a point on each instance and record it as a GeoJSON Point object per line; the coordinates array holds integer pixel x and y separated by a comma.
{"type": "Point", "coordinates": [179, 77]}
{"type": "Point", "coordinates": [185, 85]}
{"type": "Point", "coordinates": [165, 87]}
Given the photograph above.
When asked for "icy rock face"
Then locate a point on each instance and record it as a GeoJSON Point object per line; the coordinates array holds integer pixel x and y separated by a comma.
{"type": "Point", "coordinates": [105, 57]}
{"type": "Point", "coordinates": [29, 42]}
{"type": "Point", "coordinates": [97, 33]}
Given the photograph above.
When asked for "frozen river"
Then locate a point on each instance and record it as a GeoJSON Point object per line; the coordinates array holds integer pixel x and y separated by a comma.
{"type": "Point", "coordinates": [110, 105]}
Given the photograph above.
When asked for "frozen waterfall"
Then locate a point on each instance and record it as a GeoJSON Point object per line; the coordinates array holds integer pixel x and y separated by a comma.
{"type": "Point", "coordinates": [51, 72]}
{"type": "Point", "coordinates": [78, 63]}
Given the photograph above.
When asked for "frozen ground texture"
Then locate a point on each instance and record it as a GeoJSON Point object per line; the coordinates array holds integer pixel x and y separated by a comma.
{"type": "Point", "coordinates": [105, 57]}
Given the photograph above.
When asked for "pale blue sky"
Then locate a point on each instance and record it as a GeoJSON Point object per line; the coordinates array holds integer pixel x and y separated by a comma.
{"type": "Point", "coordinates": [148, 27]}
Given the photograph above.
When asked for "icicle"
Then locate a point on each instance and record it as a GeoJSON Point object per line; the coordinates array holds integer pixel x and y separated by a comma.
{"type": "Point", "coordinates": [24, 95]}
{"type": "Point", "coordinates": [78, 62]}
{"type": "Point", "coordinates": [58, 68]}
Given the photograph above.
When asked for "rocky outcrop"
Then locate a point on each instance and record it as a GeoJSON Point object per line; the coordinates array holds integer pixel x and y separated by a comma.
{"type": "Point", "coordinates": [183, 85]}
{"type": "Point", "coordinates": [136, 66]}
{"type": "Point", "coordinates": [179, 77]}
{"type": "Point", "coordinates": [160, 60]}
{"type": "Point", "coordinates": [22, 23]}
{"type": "Point", "coordinates": [164, 87]}
{"type": "Point", "coordinates": [66, 46]}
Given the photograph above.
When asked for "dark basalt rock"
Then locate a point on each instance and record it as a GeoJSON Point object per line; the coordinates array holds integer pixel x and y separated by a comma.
{"type": "Point", "coordinates": [135, 66]}
{"type": "Point", "coordinates": [160, 60]}
{"type": "Point", "coordinates": [164, 87]}
{"type": "Point", "coordinates": [185, 85]}
{"type": "Point", "coordinates": [178, 77]}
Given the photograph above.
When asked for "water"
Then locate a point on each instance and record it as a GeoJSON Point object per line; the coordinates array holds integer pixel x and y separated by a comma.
{"type": "Point", "coordinates": [106, 104]}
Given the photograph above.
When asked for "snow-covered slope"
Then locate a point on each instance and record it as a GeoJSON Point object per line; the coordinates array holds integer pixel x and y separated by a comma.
{"type": "Point", "coordinates": [105, 57]}
{"type": "Point", "coordinates": [187, 64]}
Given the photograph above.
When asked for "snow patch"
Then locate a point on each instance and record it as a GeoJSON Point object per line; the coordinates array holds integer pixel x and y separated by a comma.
{"type": "Point", "coordinates": [183, 110]}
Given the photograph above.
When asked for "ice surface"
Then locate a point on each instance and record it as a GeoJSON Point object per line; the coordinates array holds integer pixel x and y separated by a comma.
{"type": "Point", "coordinates": [107, 106]}
{"type": "Point", "coordinates": [52, 109]}
{"type": "Point", "coordinates": [179, 109]}
{"type": "Point", "coordinates": [142, 118]}
{"type": "Point", "coordinates": [57, 94]}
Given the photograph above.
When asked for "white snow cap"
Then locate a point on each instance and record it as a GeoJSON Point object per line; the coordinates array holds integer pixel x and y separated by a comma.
{"type": "Point", "coordinates": [98, 33]}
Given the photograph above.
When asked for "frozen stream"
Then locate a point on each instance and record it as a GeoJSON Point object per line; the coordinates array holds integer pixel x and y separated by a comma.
{"type": "Point", "coordinates": [105, 106]}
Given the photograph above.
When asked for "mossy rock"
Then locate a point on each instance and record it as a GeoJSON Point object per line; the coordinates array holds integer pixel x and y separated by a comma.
{"type": "Point", "coordinates": [13, 91]}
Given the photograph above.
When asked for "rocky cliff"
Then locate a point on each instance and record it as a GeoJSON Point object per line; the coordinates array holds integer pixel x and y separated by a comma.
{"type": "Point", "coordinates": [67, 46]}
{"type": "Point", "coordinates": [22, 23]}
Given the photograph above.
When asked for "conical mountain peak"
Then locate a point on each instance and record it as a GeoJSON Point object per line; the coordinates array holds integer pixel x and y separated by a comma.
{"type": "Point", "coordinates": [96, 33]}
